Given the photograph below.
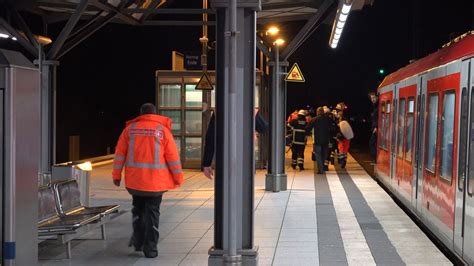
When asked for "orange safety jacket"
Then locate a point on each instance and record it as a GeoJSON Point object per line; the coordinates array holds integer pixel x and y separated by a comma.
{"type": "Point", "coordinates": [147, 150]}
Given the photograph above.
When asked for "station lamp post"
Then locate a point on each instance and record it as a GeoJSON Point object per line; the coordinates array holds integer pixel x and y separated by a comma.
{"type": "Point", "coordinates": [275, 179]}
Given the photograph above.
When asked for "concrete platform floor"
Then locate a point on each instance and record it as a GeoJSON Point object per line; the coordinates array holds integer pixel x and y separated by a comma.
{"type": "Point", "coordinates": [341, 218]}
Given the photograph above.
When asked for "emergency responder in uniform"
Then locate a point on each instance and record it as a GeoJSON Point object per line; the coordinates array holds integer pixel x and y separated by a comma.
{"type": "Point", "coordinates": [147, 151]}
{"type": "Point", "coordinates": [298, 128]}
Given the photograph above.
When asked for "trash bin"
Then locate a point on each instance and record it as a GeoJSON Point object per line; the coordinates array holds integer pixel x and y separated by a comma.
{"type": "Point", "coordinates": [78, 171]}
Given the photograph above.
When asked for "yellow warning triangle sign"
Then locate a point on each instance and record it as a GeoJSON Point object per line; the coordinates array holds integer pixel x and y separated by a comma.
{"type": "Point", "coordinates": [204, 83]}
{"type": "Point", "coordinates": [295, 74]}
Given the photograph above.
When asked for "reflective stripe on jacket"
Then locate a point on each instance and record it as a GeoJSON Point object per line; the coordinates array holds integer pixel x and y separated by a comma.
{"type": "Point", "coordinates": [147, 151]}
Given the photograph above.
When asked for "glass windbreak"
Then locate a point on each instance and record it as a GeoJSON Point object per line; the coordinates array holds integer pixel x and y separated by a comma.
{"type": "Point", "coordinates": [193, 149]}
{"type": "Point", "coordinates": [177, 140]}
{"type": "Point", "coordinates": [432, 133]}
{"type": "Point", "coordinates": [447, 141]}
{"type": "Point", "coordinates": [193, 97]}
{"type": "Point", "coordinates": [401, 127]}
{"type": "Point", "coordinates": [409, 128]}
{"type": "Point", "coordinates": [193, 122]}
{"type": "Point", "coordinates": [176, 120]}
{"type": "Point", "coordinates": [170, 95]}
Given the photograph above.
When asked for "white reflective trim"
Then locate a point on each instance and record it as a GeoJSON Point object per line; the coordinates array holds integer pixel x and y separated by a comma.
{"type": "Point", "coordinates": [345, 9]}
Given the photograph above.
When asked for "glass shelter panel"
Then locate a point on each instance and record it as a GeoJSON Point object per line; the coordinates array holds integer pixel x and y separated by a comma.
{"type": "Point", "coordinates": [176, 120]}
{"type": "Point", "coordinates": [170, 95]}
{"type": "Point", "coordinates": [193, 149]}
{"type": "Point", "coordinates": [193, 122]}
{"type": "Point", "coordinates": [193, 96]}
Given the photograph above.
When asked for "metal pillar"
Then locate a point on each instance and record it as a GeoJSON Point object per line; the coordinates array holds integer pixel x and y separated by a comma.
{"type": "Point", "coordinates": [276, 178]}
{"type": "Point", "coordinates": [235, 166]}
{"type": "Point", "coordinates": [48, 114]}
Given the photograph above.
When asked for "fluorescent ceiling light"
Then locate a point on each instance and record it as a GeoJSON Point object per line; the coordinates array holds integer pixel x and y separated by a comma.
{"type": "Point", "coordinates": [5, 36]}
{"type": "Point", "coordinates": [333, 45]}
{"type": "Point", "coordinates": [14, 38]}
{"type": "Point", "coordinates": [340, 24]}
{"type": "Point", "coordinates": [338, 31]}
{"type": "Point", "coordinates": [346, 9]}
{"type": "Point", "coordinates": [343, 17]}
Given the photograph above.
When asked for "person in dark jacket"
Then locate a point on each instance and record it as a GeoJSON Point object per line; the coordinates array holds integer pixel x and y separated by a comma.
{"type": "Point", "coordinates": [261, 126]}
{"type": "Point", "coordinates": [374, 119]}
{"type": "Point", "coordinates": [298, 143]}
{"type": "Point", "coordinates": [321, 125]}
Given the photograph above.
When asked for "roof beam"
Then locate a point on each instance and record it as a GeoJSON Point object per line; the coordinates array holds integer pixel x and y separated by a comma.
{"type": "Point", "coordinates": [71, 23]}
{"type": "Point", "coordinates": [88, 31]}
{"type": "Point", "coordinates": [20, 38]}
{"type": "Point", "coordinates": [178, 23]}
{"type": "Point", "coordinates": [308, 28]}
{"type": "Point", "coordinates": [184, 11]}
{"type": "Point", "coordinates": [109, 8]}
{"type": "Point", "coordinates": [23, 26]}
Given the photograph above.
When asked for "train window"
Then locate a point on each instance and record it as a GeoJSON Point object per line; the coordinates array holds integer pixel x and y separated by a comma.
{"type": "Point", "coordinates": [170, 95]}
{"type": "Point", "coordinates": [394, 129]}
{"type": "Point", "coordinates": [409, 126]}
{"type": "Point", "coordinates": [430, 158]}
{"type": "Point", "coordinates": [382, 126]}
{"type": "Point", "coordinates": [447, 141]}
{"type": "Point", "coordinates": [401, 127]}
{"type": "Point", "coordinates": [470, 182]}
{"type": "Point", "coordinates": [463, 139]}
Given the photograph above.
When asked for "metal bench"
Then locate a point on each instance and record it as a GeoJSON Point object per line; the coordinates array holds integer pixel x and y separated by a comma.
{"type": "Point", "coordinates": [61, 214]}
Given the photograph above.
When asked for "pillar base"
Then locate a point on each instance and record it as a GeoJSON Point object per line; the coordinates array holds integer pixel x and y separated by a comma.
{"type": "Point", "coordinates": [246, 257]}
{"type": "Point", "coordinates": [276, 182]}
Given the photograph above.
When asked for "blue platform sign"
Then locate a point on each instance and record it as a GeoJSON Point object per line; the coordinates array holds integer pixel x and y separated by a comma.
{"type": "Point", "coordinates": [192, 61]}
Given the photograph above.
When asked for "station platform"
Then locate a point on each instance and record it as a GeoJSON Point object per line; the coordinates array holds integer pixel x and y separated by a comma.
{"type": "Point", "coordinates": [341, 218]}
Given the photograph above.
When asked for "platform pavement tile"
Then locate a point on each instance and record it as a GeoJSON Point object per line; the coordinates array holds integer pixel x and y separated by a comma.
{"type": "Point", "coordinates": [194, 240]}
{"type": "Point", "coordinates": [195, 225]}
{"type": "Point", "coordinates": [266, 242]}
{"type": "Point", "coordinates": [261, 232]}
{"type": "Point", "coordinates": [187, 233]}
{"type": "Point", "coordinates": [173, 248]}
{"type": "Point", "coordinates": [202, 247]}
{"type": "Point", "coordinates": [298, 224]}
{"type": "Point", "coordinates": [265, 261]}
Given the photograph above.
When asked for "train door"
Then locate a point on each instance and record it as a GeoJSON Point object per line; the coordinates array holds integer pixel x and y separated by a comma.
{"type": "Point", "coordinates": [465, 187]}
{"type": "Point", "coordinates": [404, 145]}
{"type": "Point", "coordinates": [419, 140]}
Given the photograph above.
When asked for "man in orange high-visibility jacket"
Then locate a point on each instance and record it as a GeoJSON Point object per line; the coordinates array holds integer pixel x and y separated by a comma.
{"type": "Point", "coordinates": [147, 151]}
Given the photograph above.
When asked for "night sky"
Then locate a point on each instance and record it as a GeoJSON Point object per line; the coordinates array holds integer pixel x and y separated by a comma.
{"type": "Point", "coordinates": [104, 80]}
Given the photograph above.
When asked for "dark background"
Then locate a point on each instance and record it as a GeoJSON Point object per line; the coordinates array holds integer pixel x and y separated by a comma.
{"type": "Point", "coordinates": [104, 80]}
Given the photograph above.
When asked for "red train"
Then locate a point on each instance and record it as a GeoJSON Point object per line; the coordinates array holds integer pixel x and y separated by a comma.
{"type": "Point", "coordinates": [425, 149]}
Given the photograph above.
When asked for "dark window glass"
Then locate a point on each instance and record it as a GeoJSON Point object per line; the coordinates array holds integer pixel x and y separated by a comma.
{"type": "Point", "coordinates": [401, 127]}
{"type": "Point", "coordinates": [447, 131]}
{"type": "Point", "coordinates": [463, 139]}
{"type": "Point", "coordinates": [409, 126]}
{"type": "Point", "coordinates": [431, 132]}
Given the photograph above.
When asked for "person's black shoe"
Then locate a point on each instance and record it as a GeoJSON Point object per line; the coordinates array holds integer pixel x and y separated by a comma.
{"type": "Point", "coordinates": [343, 164]}
{"type": "Point", "coordinates": [151, 254]}
{"type": "Point", "coordinates": [301, 168]}
{"type": "Point", "coordinates": [135, 245]}
{"type": "Point", "coordinates": [326, 168]}
{"type": "Point", "coordinates": [293, 166]}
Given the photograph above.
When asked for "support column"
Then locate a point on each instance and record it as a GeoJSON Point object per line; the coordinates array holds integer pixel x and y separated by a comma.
{"type": "Point", "coordinates": [48, 114]}
{"type": "Point", "coordinates": [235, 166]}
{"type": "Point", "coordinates": [276, 178]}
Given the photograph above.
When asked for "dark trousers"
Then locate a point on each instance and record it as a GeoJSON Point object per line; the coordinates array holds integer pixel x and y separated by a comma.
{"type": "Point", "coordinates": [146, 217]}
{"type": "Point", "coordinates": [373, 146]}
{"type": "Point", "coordinates": [321, 153]}
{"type": "Point", "coordinates": [297, 154]}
